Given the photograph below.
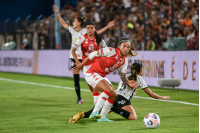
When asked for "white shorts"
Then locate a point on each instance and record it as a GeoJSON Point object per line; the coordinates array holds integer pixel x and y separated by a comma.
{"type": "Point", "coordinates": [93, 79]}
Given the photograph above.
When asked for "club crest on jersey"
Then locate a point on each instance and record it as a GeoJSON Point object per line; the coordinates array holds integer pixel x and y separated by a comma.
{"type": "Point", "coordinates": [91, 47]}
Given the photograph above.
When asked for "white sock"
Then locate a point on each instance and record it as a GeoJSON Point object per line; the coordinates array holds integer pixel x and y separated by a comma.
{"type": "Point", "coordinates": [96, 96]}
{"type": "Point", "coordinates": [106, 108]}
{"type": "Point", "coordinates": [101, 100]}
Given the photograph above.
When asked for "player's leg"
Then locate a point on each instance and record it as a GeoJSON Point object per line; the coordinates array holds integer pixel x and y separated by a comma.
{"type": "Point", "coordinates": [96, 93]}
{"type": "Point", "coordinates": [76, 75]}
{"type": "Point", "coordinates": [133, 115]}
{"type": "Point", "coordinates": [107, 105]}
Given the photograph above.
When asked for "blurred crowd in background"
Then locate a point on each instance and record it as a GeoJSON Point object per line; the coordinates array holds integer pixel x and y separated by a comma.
{"type": "Point", "coordinates": [157, 15]}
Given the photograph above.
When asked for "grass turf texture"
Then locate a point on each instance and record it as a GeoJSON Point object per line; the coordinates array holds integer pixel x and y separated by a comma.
{"type": "Point", "coordinates": [34, 108]}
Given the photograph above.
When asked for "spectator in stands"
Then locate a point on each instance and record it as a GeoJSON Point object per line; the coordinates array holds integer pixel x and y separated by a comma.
{"type": "Point", "coordinates": [25, 45]}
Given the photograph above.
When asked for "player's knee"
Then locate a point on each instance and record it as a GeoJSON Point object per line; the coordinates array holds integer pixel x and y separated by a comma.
{"type": "Point", "coordinates": [132, 117]}
{"type": "Point", "coordinates": [113, 95]}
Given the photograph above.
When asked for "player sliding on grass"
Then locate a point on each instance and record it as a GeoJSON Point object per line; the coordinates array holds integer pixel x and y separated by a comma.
{"type": "Point", "coordinates": [110, 60]}
{"type": "Point", "coordinates": [122, 105]}
{"type": "Point", "coordinates": [77, 30]}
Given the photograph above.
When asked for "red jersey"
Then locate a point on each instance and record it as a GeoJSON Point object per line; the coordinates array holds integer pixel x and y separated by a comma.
{"type": "Point", "coordinates": [88, 45]}
{"type": "Point", "coordinates": [110, 59]}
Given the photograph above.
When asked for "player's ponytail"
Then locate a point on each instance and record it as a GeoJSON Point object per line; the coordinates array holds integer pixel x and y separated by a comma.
{"type": "Point", "coordinates": [82, 20]}
{"type": "Point", "coordinates": [130, 53]}
{"type": "Point", "coordinates": [135, 70]}
{"type": "Point", "coordinates": [98, 37]}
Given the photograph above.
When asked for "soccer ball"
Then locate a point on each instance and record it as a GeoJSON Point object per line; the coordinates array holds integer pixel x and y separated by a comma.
{"type": "Point", "coordinates": [151, 120]}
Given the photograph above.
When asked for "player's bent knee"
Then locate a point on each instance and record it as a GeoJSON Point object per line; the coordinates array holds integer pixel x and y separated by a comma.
{"type": "Point", "coordinates": [132, 117]}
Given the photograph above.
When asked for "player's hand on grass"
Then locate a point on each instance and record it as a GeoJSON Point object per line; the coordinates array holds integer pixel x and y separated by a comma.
{"type": "Point", "coordinates": [56, 9]}
{"type": "Point", "coordinates": [133, 84]}
{"type": "Point", "coordinates": [165, 97]}
{"type": "Point", "coordinates": [111, 23]}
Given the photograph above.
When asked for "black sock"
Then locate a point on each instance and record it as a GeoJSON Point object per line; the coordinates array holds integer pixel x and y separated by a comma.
{"type": "Point", "coordinates": [77, 85]}
{"type": "Point", "coordinates": [121, 112]}
{"type": "Point", "coordinates": [87, 114]}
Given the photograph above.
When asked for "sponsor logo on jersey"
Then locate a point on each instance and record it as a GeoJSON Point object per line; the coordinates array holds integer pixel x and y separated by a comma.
{"type": "Point", "coordinates": [122, 102]}
{"type": "Point", "coordinates": [74, 40]}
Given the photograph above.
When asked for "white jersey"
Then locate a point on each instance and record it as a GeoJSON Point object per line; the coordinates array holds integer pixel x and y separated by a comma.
{"type": "Point", "coordinates": [75, 36]}
{"type": "Point", "coordinates": [124, 91]}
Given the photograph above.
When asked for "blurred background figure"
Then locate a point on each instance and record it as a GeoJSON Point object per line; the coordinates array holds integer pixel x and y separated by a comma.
{"type": "Point", "coordinates": [25, 45]}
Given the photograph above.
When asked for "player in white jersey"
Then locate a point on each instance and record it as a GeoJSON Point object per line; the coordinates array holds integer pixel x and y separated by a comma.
{"type": "Point", "coordinates": [77, 30]}
{"type": "Point", "coordinates": [122, 105]}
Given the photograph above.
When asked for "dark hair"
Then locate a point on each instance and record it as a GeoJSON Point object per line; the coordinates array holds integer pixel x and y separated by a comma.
{"type": "Point", "coordinates": [82, 20]}
{"type": "Point", "coordinates": [130, 53]}
{"type": "Point", "coordinates": [98, 37]}
{"type": "Point", "coordinates": [136, 68]}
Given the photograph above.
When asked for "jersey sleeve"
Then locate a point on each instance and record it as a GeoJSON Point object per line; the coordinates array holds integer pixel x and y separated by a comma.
{"type": "Point", "coordinates": [141, 82]}
{"type": "Point", "coordinates": [103, 44]}
{"type": "Point", "coordinates": [123, 68]}
{"type": "Point", "coordinates": [70, 28]}
{"type": "Point", "coordinates": [106, 52]}
{"type": "Point", "coordinates": [79, 42]}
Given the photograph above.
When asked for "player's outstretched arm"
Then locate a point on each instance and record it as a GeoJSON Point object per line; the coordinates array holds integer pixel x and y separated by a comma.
{"type": "Point", "coordinates": [62, 22]}
{"type": "Point", "coordinates": [154, 95]}
{"type": "Point", "coordinates": [110, 24]}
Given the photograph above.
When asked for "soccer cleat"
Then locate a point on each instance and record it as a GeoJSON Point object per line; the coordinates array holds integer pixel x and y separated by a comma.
{"type": "Point", "coordinates": [95, 115]}
{"type": "Point", "coordinates": [77, 117]}
{"type": "Point", "coordinates": [79, 101]}
{"type": "Point", "coordinates": [104, 120]}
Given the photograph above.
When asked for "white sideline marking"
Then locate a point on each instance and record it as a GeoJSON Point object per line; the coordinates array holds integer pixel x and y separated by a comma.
{"type": "Point", "coordinates": [54, 86]}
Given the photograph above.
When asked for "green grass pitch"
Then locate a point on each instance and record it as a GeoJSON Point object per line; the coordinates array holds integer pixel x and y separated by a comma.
{"type": "Point", "coordinates": [36, 108]}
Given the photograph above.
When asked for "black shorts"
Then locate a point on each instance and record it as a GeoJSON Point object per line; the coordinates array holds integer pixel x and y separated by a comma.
{"type": "Point", "coordinates": [121, 102]}
{"type": "Point", "coordinates": [73, 61]}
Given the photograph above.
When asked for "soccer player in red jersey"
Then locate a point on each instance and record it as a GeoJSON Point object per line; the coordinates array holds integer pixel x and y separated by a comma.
{"type": "Point", "coordinates": [77, 30]}
{"type": "Point", "coordinates": [110, 60]}
{"type": "Point", "coordinates": [89, 43]}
